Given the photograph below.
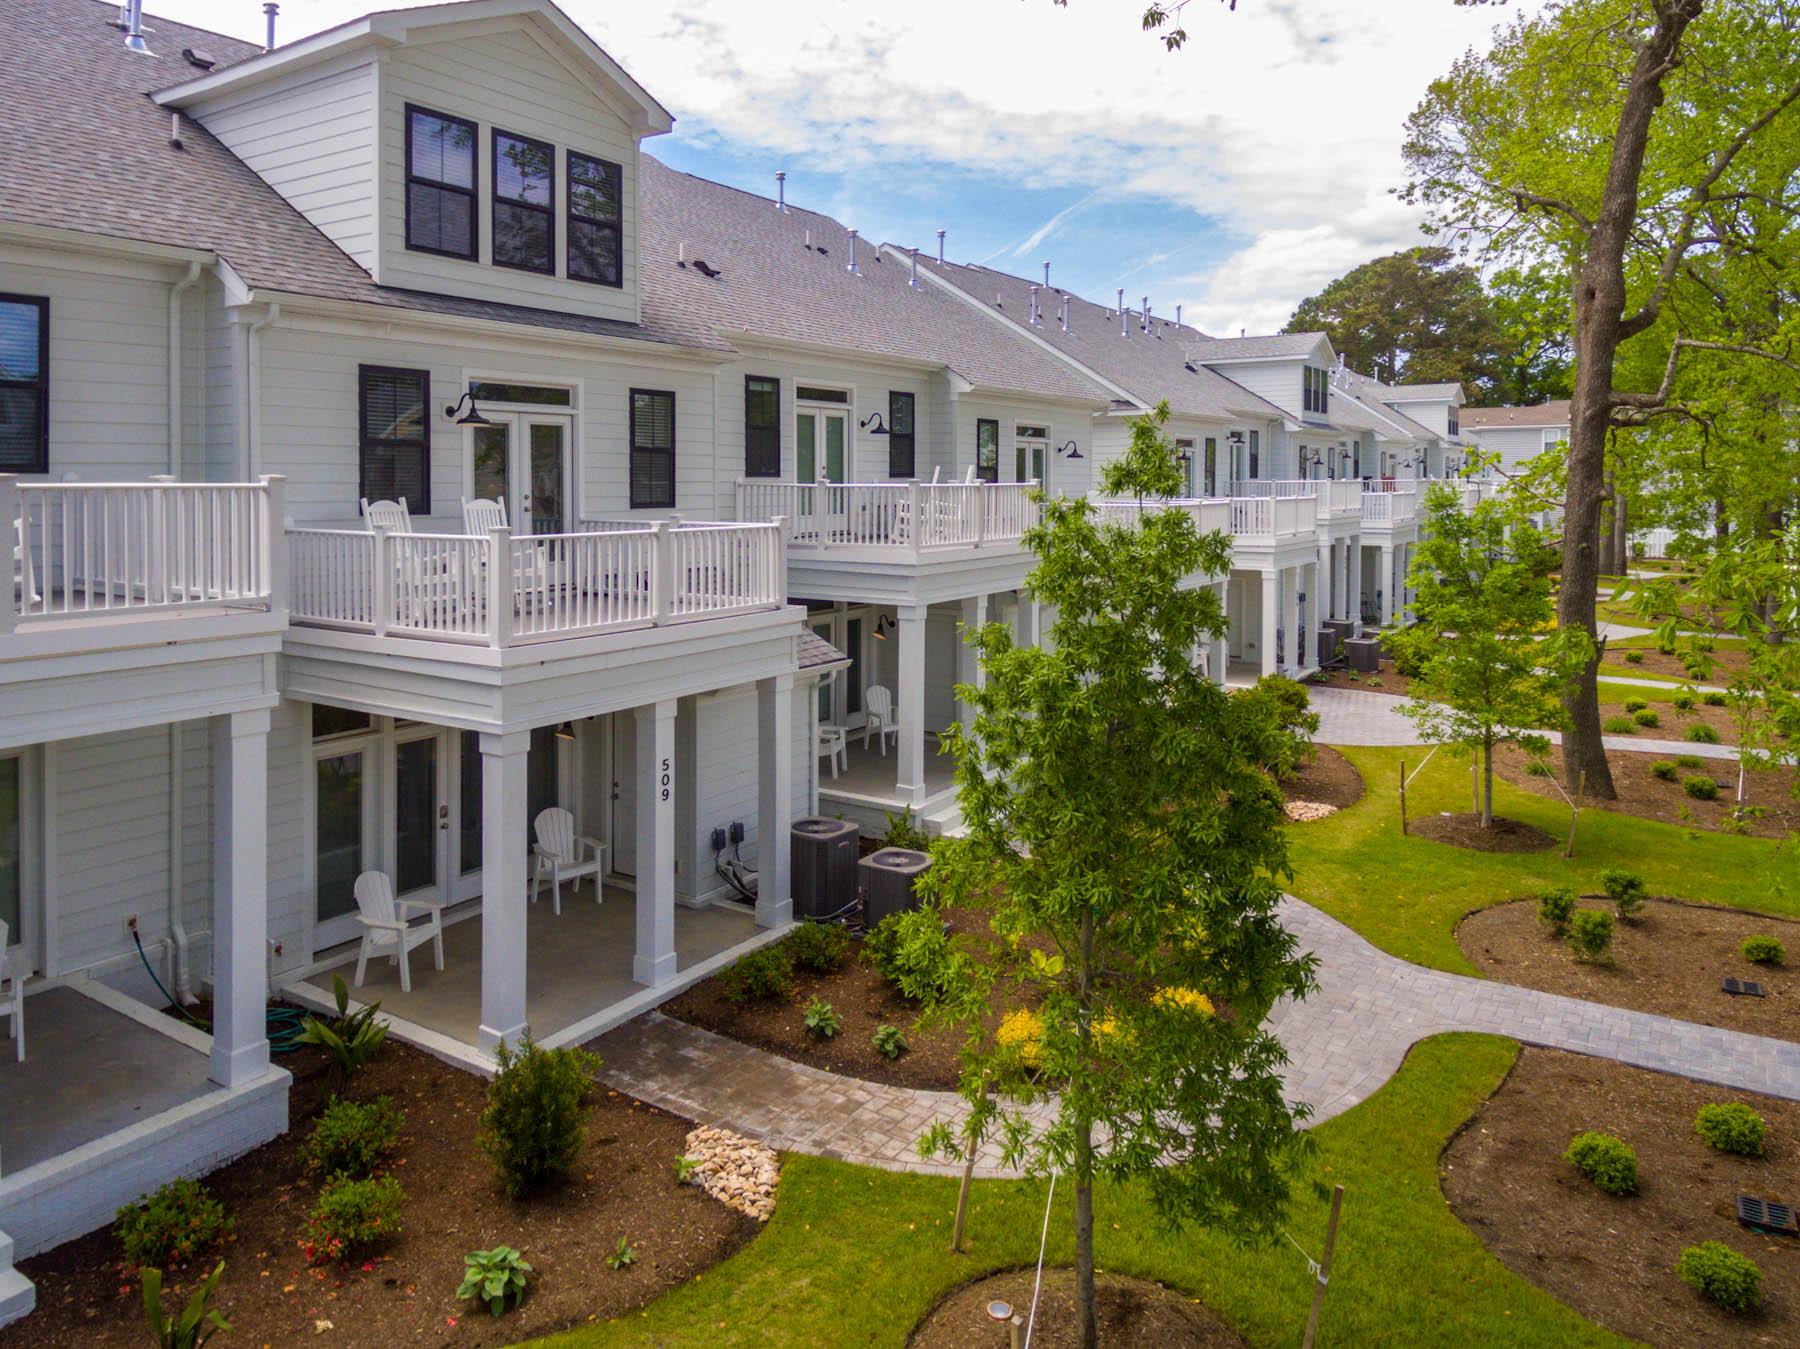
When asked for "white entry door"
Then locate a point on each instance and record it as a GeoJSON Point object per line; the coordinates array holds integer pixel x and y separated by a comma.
{"type": "Point", "coordinates": [525, 461]}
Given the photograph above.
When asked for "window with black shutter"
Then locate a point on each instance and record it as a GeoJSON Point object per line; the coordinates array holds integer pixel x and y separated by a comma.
{"type": "Point", "coordinates": [595, 216]}
{"type": "Point", "coordinates": [1255, 454]}
{"type": "Point", "coordinates": [652, 448]}
{"type": "Point", "coordinates": [762, 427]}
{"type": "Point", "coordinates": [440, 183]}
{"type": "Point", "coordinates": [396, 449]}
{"type": "Point", "coordinates": [524, 203]}
{"type": "Point", "coordinates": [24, 384]}
{"type": "Point", "coordinates": [987, 449]}
{"type": "Point", "coordinates": [901, 443]}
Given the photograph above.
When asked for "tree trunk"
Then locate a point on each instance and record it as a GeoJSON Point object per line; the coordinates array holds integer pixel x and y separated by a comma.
{"type": "Point", "coordinates": [1487, 785]}
{"type": "Point", "coordinates": [1086, 1306]}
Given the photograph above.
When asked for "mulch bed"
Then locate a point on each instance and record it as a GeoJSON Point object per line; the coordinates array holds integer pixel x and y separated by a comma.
{"type": "Point", "coordinates": [1132, 1312]}
{"type": "Point", "coordinates": [623, 1186]}
{"type": "Point", "coordinates": [1387, 680]}
{"type": "Point", "coordinates": [1674, 722]}
{"type": "Point", "coordinates": [1464, 831]}
{"type": "Point", "coordinates": [1650, 798]}
{"type": "Point", "coordinates": [1668, 960]}
{"type": "Point", "coordinates": [1330, 779]}
{"type": "Point", "coordinates": [1613, 1259]}
{"type": "Point", "coordinates": [1726, 663]}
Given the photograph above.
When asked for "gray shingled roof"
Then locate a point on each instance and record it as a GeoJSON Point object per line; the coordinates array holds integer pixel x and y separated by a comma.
{"type": "Point", "coordinates": [1412, 393]}
{"type": "Point", "coordinates": [774, 286]}
{"type": "Point", "coordinates": [1269, 347]}
{"type": "Point", "coordinates": [1152, 365]}
{"type": "Point", "coordinates": [1373, 394]}
{"type": "Point", "coordinates": [815, 653]}
{"type": "Point", "coordinates": [1555, 413]}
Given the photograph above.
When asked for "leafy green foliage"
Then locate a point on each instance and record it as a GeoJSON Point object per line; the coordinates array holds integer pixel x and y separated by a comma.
{"type": "Point", "coordinates": [623, 1255]}
{"type": "Point", "coordinates": [533, 1124]}
{"type": "Point", "coordinates": [1634, 657]}
{"type": "Point", "coordinates": [1538, 768]}
{"type": "Point", "coordinates": [1647, 719]}
{"type": "Point", "coordinates": [197, 1323]}
{"type": "Point", "coordinates": [1625, 889]}
{"type": "Point", "coordinates": [1689, 761]}
{"type": "Point", "coordinates": [1721, 1275]}
{"type": "Point", "coordinates": [905, 831]}
{"type": "Point", "coordinates": [497, 1277]}
{"type": "Point", "coordinates": [1635, 705]}
{"type": "Point", "coordinates": [822, 1020]}
{"type": "Point", "coordinates": [351, 1038]}
{"type": "Point", "coordinates": [353, 1138]}
{"type": "Point", "coordinates": [819, 947]}
{"type": "Point", "coordinates": [1732, 1127]}
{"type": "Point", "coordinates": [1713, 699]}
{"type": "Point", "coordinates": [1286, 708]}
{"type": "Point", "coordinates": [1607, 1161]}
{"type": "Point", "coordinates": [1665, 770]}
{"type": "Point", "coordinates": [1701, 788]}
{"type": "Point", "coordinates": [1555, 907]}
{"type": "Point", "coordinates": [685, 1168]}
{"type": "Point", "coordinates": [1590, 936]}
{"type": "Point", "coordinates": [914, 952]}
{"type": "Point", "coordinates": [1701, 734]}
{"type": "Point", "coordinates": [171, 1225]}
{"type": "Point", "coordinates": [351, 1216]}
{"type": "Point", "coordinates": [764, 975]}
{"type": "Point", "coordinates": [1763, 949]}
{"type": "Point", "coordinates": [1682, 702]}
{"type": "Point", "coordinates": [1619, 726]}
{"type": "Point", "coordinates": [888, 1042]}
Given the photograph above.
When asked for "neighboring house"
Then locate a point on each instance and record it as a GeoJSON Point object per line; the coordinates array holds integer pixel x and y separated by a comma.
{"type": "Point", "coordinates": [1514, 435]}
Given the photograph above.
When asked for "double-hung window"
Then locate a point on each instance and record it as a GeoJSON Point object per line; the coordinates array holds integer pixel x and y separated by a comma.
{"type": "Point", "coordinates": [1255, 454]}
{"type": "Point", "coordinates": [24, 384]}
{"type": "Point", "coordinates": [441, 183]}
{"type": "Point", "coordinates": [762, 426]}
{"type": "Point", "coordinates": [524, 203]}
{"type": "Point", "coordinates": [595, 216]}
{"type": "Point", "coordinates": [395, 431]}
{"type": "Point", "coordinates": [901, 442]}
{"type": "Point", "coordinates": [652, 448]}
{"type": "Point", "coordinates": [987, 449]}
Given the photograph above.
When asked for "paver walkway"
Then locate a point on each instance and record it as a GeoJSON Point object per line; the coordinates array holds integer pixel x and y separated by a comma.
{"type": "Point", "coordinates": [1343, 1042]}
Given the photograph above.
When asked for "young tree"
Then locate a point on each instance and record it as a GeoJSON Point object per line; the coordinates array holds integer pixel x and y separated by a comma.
{"type": "Point", "coordinates": [1635, 142]}
{"type": "Point", "coordinates": [1128, 853]}
{"type": "Point", "coordinates": [1487, 673]}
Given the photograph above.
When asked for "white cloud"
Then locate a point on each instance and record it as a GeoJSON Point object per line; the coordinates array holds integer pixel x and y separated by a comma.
{"type": "Point", "coordinates": [1281, 122]}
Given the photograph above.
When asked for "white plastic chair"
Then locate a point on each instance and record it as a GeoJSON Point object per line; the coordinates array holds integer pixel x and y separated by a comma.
{"type": "Point", "coordinates": [24, 583]}
{"type": "Point", "coordinates": [558, 854]}
{"type": "Point", "coordinates": [388, 929]}
{"type": "Point", "coordinates": [12, 993]}
{"type": "Point", "coordinates": [831, 746]}
{"type": "Point", "coordinates": [483, 514]}
{"type": "Point", "coordinates": [392, 514]}
{"type": "Point", "coordinates": [878, 709]}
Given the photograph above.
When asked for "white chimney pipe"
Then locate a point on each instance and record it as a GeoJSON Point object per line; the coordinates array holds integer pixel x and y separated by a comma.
{"type": "Point", "coordinates": [851, 266]}
{"type": "Point", "coordinates": [809, 238]}
{"type": "Point", "coordinates": [940, 245]}
{"type": "Point", "coordinates": [271, 9]}
{"type": "Point", "coordinates": [913, 280]}
{"type": "Point", "coordinates": [681, 254]}
{"type": "Point", "coordinates": [781, 189]}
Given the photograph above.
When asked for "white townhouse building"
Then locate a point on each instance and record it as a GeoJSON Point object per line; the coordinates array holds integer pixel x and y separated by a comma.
{"type": "Point", "coordinates": [1517, 434]}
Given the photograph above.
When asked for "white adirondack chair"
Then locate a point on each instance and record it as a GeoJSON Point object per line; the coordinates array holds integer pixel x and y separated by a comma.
{"type": "Point", "coordinates": [483, 514]}
{"type": "Point", "coordinates": [878, 711]}
{"type": "Point", "coordinates": [12, 994]}
{"type": "Point", "coordinates": [563, 855]}
{"type": "Point", "coordinates": [388, 929]}
{"type": "Point", "coordinates": [24, 582]}
{"type": "Point", "coordinates": [392, 514]}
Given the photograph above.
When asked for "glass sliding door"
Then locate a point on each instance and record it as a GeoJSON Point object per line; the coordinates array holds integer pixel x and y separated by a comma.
{"type": "Point", "coordinates": [421, 816]}
{"type": "Point", "coordinates": [340, 842]}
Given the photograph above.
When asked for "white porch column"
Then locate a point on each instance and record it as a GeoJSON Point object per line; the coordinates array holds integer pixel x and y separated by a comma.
{"type": "Point", "coordinates": [240, 905]}
{"type": "Point", "coordinates": [910, 703]}
{"type": "Point", "coordinates": [1340, 581]}
{"type": "Point", "coordinates": [1406, 587]}
{"type": "Point", "coordinates": [1271, 602]}
{"type": "Point", "coordinates": [1027, 621]}
{"type": "Point", "coordinates": [1386, 580]}
{"type": "Point", "coordinates": [1356, 582]}
{"type": "Point", "coordinates": [1220, 659]}
{"type": "Point", "coordinates": [1322, 599]}
{"type": "Point", "coordinates": [774, 799]}
{"type": "Point", "coordinates": [1290, 619]}
{"type": "Point", "coordinates": [654, 962]}
{"type": "Point", "coordinates": [1318, 597]}
{"type": "Point", "coordinates": [968, 666]}
{"type": "Point", "coordinates": [503, 908]}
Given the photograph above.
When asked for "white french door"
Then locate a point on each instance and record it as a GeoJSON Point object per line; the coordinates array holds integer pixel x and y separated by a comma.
{"type": "Point", "coordinates": [525, 461]}
{"type": "Point", "coordinates": [821, 436]}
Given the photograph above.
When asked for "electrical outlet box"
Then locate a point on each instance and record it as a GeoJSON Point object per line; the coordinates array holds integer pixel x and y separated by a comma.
{"type": "Point", "coordinates": [718, 840]}
{"type": "Point", "coordinates": [737, 831]}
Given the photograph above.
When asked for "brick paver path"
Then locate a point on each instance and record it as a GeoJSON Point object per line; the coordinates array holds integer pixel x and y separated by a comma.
{"type": "Point", "coordinates": [1343, 1042]}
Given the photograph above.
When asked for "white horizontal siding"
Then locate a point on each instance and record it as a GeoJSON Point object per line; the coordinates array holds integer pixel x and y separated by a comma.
{"type": "Point", "coordinates": [1279, 382]}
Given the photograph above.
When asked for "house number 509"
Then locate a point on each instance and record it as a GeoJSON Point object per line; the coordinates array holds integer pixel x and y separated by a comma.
{"type": "Point", "coordinates": [665, 779]}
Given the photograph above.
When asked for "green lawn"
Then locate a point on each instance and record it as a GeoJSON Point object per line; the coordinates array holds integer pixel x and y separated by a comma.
{"type": "Point", "coordinates": [856, 1257]}
{"type": "Point", "coordinates": [1406, 894]}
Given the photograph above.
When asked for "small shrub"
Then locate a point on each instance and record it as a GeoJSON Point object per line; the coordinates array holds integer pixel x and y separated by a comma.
{"type": "Point", "coordinates": [1665, 770]}
{"type": "Point", "coordinates": [496, 1277]}
{"type": "Point", "coordinates": [1713, 699]}
{"type": "Point", "coordinates": [1682, 702]}
{"type": "Point", "coordinates": [1702, 734]}
{"type": "Point", "coordinates": [912, 951]}
{"type": "Point", "coordinates": [1590, 936]}
{"type": "Point", "coordinates": [762, 976]}
{"type": "Point", "coordinates": [351, 1038]}
{"type": "Point", "coordinates": [1732, 1127]}
{"type": "Point", "coordinates": [353, 1138]}
{"type": "Point", "coordinates": [197, 1323]}
{"type": "Point", "coordinates": [1763, 950]}
{"type": "Point", "coordinates": [1537, 768]}
{"type": "Point", "coordinates": [1635, 704]}
{"type": "Point", "coordinates": [170, 1226]}
{"type": "Point", "coordinates": [888, 1042]}
{"type": "Point", "coordinates": [905, 831]}
{"type": "Point", "coordinates": [1689, 761]}
{"type": "Point", "coordinates": [1618, 726]}
{"type": "Point", "coordinates": [1607, 1161]}
{"type": "Point", "coordinates": [1634, 657]}
{"type": "Point", "coordinates": [1555, 908]}
{"type": "Point", "coordinates": [1721, 1275]}
{"type": "Point", "coordinates": [819, 947]}
{"type": "Point", "coordinates": [1700, 788]}
{"type": "Point", "coordinates": [532, 1124]}
{"type": "Point", "coordinates": [1374, 681]}
{"type": "Point", "coordinates": [351, 1216]}
{"type": "Point", "coordinates": [822, 1019]}
{"type": "Point", "coordinates": [1646, 719]}
{"type": "Point", "coordinates": [1020, 1034]}
{"type": "Point", "coordinates": [1624, 888]}
{"type": "Point", "coordinates": [624, 1254]}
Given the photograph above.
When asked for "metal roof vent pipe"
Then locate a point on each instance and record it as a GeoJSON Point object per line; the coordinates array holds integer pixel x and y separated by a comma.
{"type": "Point", "coordinates": [781, 189]}
{"type": "Point", "coordinates": [851, 266]}
{"type": "Point", "coordinates": [1034, 306]}
{"type": "Point", "coordinates": [1177, 316]}
{"type": "Point", "coordinates": [134, 28]}
{"type": "Point", "coordinates": [1065, 313]}
{"type": "Point", "coordinates": [1124, 318]}
{"type": "Point", "coordinates": [940, 246]}
{"type": "Point", "coordinates": [1146, 318]}
{"type": "Point", "coordinates": [1046, 276]}
{"type": "Point", "coordinates": [913, 280]}
{"type": "Point", "coordinates": [271, 9]}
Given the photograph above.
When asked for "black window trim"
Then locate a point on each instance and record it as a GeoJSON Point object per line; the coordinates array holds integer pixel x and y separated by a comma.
{"type": "Point", "coordinates": [763, 468]}
{"type": "Point", "coordinates": [633, 450]}
{"type": "Point", "coordinates": [363, 442]}
{"type": "Point", "coordinates": [911, 438]}
{"type": "Point", "coordinates": [995, 423]}
{"type": "Point", "coordinates": [473, 191]}
{"type": "Point", "coordinates": [496, 201]}
{"type": "Point", "coordinates": [41, 462]}
{"type": "Point", "coordinates": [617, 226]}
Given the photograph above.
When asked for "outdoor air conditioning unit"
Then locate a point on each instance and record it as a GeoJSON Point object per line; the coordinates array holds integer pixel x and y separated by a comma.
{"type": "Point", "coordinates": [888, 877]}
{"type": "Point", "coordinates": [824, 865]}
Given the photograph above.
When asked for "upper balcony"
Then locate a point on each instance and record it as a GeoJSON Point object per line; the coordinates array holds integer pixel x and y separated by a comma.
{"type": "Point", "coordinates": [1393, 506]}
{"type": "Point", "coordinates": [1256, 524]}
{"type": "Point", "coordinates": [1340, 499]}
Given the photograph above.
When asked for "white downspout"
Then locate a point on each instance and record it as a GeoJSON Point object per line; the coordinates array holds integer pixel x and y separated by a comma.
{"type": "Point", "coordinates": [181, 982]}
{"type": "Point", "coordinates": [253, 394]}
{"type": "Point", "coordinates": [175, 293]}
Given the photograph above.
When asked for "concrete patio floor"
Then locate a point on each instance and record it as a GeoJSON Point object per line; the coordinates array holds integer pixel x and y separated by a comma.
{"type": "Point", "coordinates": [871, 774]}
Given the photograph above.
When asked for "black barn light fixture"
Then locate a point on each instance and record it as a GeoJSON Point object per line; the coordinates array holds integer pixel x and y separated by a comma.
{"type": "Point", "coordinates": [472, 417]}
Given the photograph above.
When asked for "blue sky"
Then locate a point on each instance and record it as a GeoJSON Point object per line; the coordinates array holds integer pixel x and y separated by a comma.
{"type": "Point", "coordinates": [1234, 177]}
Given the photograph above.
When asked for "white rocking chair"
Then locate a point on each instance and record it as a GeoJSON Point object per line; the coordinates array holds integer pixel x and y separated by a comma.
{"type": "Point", "coordinates": [878, 711]}
{"type": "Point", "coordinates": [24, 583]}
{"type": "Point", "coordinates": [388, 929]}
{"type": "Point", "coordinates": [12, 993]}
{"type": "Point", "coordinates": [392, 515]}
{"type": "Point", "coordinates": [483, 514]}
{"type": "Point", "coordinates": [558, 854]}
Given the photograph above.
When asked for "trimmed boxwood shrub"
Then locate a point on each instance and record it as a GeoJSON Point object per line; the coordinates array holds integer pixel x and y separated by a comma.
{"type": "Point", "coordinates": [1646, 719]}
{"type": "Point", "coordinates": [1555, 908]}
{"type": "Point", "coordinates": [819, 947]}
{"type": "Point", "coordinates": [1625, 889]}
{"type": "Point", "coordinates": [1607, 1161]}
{"type": "Point", "coordinates": [1713, 699]}
{"type": "Point", "coordinates": [1702, 734]}
{"type": "Point", "coordinates": [170, 1226]}
{"type": "Point", "coordinates": [1689, 761]}
{"type": "Point", "coordinates": [1721, 1275]}
{"type": "Point", "coordinates": [353, 1138]}
{"type": "Point", "coordinates": [1634, 657]}
{"type": "Point", "coordinates": [1682, 702]}
{"type": "Point", "coordinates": [1733, 1127]}
{"type": "Point", "coordinates": [1619, 726]}
{"type": "Point", "coordinates": [1635, 704]}
{"type": "Point", "coordinates": [1700, 787]}
{"type": "Point", "coordinates": [1763, 950]}
{"type": "Point", "coordinates": [1665, 770]}
{"type": "Point", "coordinates": [351, 1216]}
{"type": "Point", "coordinates": [1590, 936]}
{"type": "Point", "coordinates": [762, 976]}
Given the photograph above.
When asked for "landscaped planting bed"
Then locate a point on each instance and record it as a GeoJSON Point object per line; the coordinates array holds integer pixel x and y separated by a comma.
{"type": "Point", "coordinates": [1667, 960]}
{"type": "Point", "coordinates": [1644, 794]}
{"type": "Point", "coordinates": [1613, 1258]}
{"type": "Point", "coordinates": [1131, 1312]}
{"type": "Point", "coordinates": [1673, 722]}
{"type": "Point", "coordinates": [1653, 664]}
{"type": "Point", "coordinates": [403, 1291]}
{"type": "Point", "coordinates": [1465, 830]}
{"type": "Point", "coordinates": [1386, 680]}
{"type": "Point", "coordinates": [1328, 780]}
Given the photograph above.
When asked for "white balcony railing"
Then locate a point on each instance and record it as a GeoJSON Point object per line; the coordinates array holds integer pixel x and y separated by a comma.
{"type": "Point", "coordinates": [907, 517]}
{"type": "Point", "coordinates": [501, 590]}
{"type": "Point", "coordinates": [1273, 517]}
{"type": "Point", "coordinates": [82, 549]}
{"type": "Point", "coordinates": [1337, 496]}
{"type": "Point", "coordinates": [1389, 508]}
{"type": "Point", "coordinates": [1210, 515]}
